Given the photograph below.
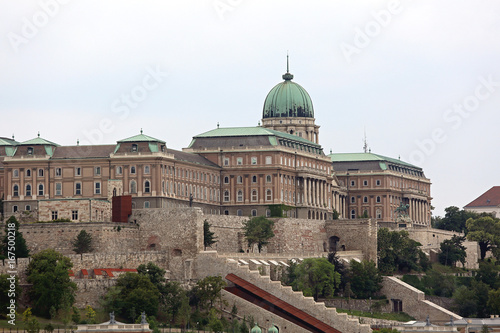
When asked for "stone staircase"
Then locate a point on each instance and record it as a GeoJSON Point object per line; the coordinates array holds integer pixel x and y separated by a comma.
{"type": "Point", "coordinates": [258, 272]}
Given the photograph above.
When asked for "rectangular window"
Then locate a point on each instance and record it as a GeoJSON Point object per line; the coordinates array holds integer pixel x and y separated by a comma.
{"type": "Point", "coordinates": [97, 188]}
{"type": "Point", "coordinates": [78, 171]}
{"type": "Point", "coordinates": [27, 207]}
{"type": "Point", "coordinates": [239, 161]}
{"type": "Point", "coordinates": [78, 189]}
{"type": "Point", "coordinates": [58, 188]}
{"type": "Point", "coordinates": [97, 171]}
{"type": "Point", "coordinates": [269, 160]}
{"type": "Point", "coordinates": [378, 182]}
{"type": "Point", "coordinates": [365, 183]}
{"type": "Point", "coordinates": [146, 169]}
{"type": "Point", "coordinates": [58, 172]}
{"type": "Point", "coordinates": [226, 161]}
{"type": "Point", "coordinates": [254, 160]}
{"type": "Point", "coordinates": [15, 173]}
{"type": "Point", "coordinates": [54, 215]}
{"type": "Point", "coordinates": [74, 215]}
{"type": "Point", "coordinates": [14, 208]}
{"type": "Point", "coordinates": [119, 170]}
{"type": "Point", "coordinates": [40, 172]}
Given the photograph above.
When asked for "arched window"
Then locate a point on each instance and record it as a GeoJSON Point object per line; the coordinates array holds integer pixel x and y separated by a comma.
{"type": "Point", "coordinates": [239, 212]}
{"type": "Point", "coordinates": [114, 191]}
{"type": "Point", "coordinates": [40, 172]}
{"type": "Point", "coordinates": [40, 189]}
{"type": "Point", "coordinates": [239, 180]}
{"type": "Point", "coordinates": [28, 172]}
{"type": "Point", "coordinates": [15, 190]}
{"type": "Point", "coordinates": [132, 169]}
{"type": "Point", "coordinates": [226, 197]}
{"type": "Point", "coordinates": [239, 196]}
{"type": "Point", "coordinates": [133, 186]}
{"type": "Point", "coordinates": [146, 204]}
{"type": "Point", "coordinates": [353, 213]}
{"type": "Point", "coordinates": [226, 180]}
{"type": "Point", "coordinates": [255, 197]}
{"type": "Point", "coordinates": [269, 195]}
{"type": "Point", "coordinates": [379, 213]}
{"type": "Point", "coordinates": [353, 199]}
{"type": "Point", "coordinates": [268, 179]}
{"type": "Point", "coordinates": [365, 199]}
{"type": "Point", "coordinates": [147, 186]}
{"type": "Point", "coordinates": [146, 169]}
{"type": "Point", "coordinates": [378, 199]}
{"type": "Point", "coordinates": [254, 212]}
{"type": "Point", "coordinates": [119, 170]}
{"type": "Point", "coordinates": [28, 189]}
{"type": "Point", "coordinates": [254, 179]}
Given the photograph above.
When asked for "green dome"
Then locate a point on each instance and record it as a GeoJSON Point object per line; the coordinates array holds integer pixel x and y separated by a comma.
{"type": "Point", "coordinates": [272, 329]}
{"type": "Point", "coordinates": [288, 99]}
{"type": "Point", "coordinates": [256, 329]}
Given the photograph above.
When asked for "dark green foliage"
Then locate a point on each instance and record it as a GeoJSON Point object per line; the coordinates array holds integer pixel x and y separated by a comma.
{"type": "Point", "coordinates": [486, 231]}
{"type": "Point", "coordinates": [494, 301]}
{"type": "Point", "coordinates": [208, 292]}
{"type": "Point", "coordinates": [339, 268]}
{"type": "Point", "coordinates": [488, 274]}
{"type": "Point", "coordinates": [208, 236]}
{"type": "Point", "coordinates": [314, 277]}
{"type": "Point", "coordinates": [398, 253]}
{"type": "Point", "coordinates": [132, 294]}
{"type": "Point", "coordinates": [48, 271]}
{"type": "Point", "coordinates": [364, 278]}
{"type": "Point", "coordinates": [335, 215]}
{"type": "Point", "coordinates": [17, 250]}
{"type": "Point", "coordinates": [278, 210]}
{"type": "Point", "coordinates": [258, 230]}
{"type": "Point", "coordinates": [454, 219]}
{"type": "Point", "coordinates": [434, 283]}
{"type": "Point", "coordinates": [155, 274]}
{"type": "Point", "coordinates": [7, 294]}
{"type": "Point", "coordinates": [82, 243]}
{"type": "Point", "coordinates": [386, 330]}
{"type": "Point", "coordinates": [452, 251]}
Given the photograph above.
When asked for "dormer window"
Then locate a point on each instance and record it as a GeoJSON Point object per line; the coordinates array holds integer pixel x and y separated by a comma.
{"type": "Point", "coordinates": [163, 148]}
{"type": "Point", "coordinates": [30, 150]}
{"type": "Point", "coordinates": [134, 147]}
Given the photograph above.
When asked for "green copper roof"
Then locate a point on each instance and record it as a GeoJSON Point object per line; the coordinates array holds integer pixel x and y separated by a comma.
{"type": "Point", "coordinates": [253, 131]}
{"type": "Point", "coordinates": [38, 141]}
{"type": "Point", "coordinates": [141, 138]}
{"type": "Point", "coordinates": [8, 142]}
{"type": "Point", "coordinates": [361, 157]}
{"type": "Point", "coordinates": [288, 99]}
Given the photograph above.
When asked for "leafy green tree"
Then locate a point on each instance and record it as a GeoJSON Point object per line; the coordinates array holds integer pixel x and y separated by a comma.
{"type": "Point", "coordinates": [30, 322]}
{"type": "Point", "coordinates": [14, 248]}
{"type": "Point", "coordinates": [48, 271]}
{"type": "Point", "coordinates": [437, 284]}
{"type": "Point", "coordinates": [8, 294]}
{"type": "Point", "coordinates": [484, 230]}
{"type": "Point", "coordinates": [452, 250]}
{"type": "Point", "coordinates": [494, 301]}
{"type": "Point", "coordinates": [173, 299]}
{"type": "Point", "coordinates": [315, 277]}
{"type": "Point", "coordinates": [397, 252]}
{"type": "Point", "coordinates": [481, 296]}
{"type": "Point", "coordinates": [454, 219]}
{"type": "Point", "coordinates": [464, 302]}
{"type": "Point", "coordinates": [208, 236]}
{"type": "Point", "coordinates": [488, 273]}
{"type": "Point", "coordinates": [131, 292]}
{"type": "Point", "coordinates": [155, 274]}
{"type": "Point", "coordinates": [258, 230]}
{"type": "Point", "coordinates": [365, 278]}
{"type": "Point", "coordinates": [82, 243]}
{"type": "Point", "coordinates": [339, 268]}
{"type": "Point", "coordinates": [208, 292]}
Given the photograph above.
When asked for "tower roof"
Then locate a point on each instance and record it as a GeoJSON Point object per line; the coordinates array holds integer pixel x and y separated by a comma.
{"type": "Point", "coordinates": [288, 99]}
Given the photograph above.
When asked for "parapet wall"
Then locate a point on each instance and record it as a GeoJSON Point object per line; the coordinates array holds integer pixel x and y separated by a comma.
{"type": "Point", "coordinates": [357, 234]}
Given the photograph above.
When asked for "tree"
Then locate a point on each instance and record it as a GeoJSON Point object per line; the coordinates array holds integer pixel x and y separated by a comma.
{"type": "Point", "coordinates": [208, 236]}
{"type": "Point", "coordinates": [48, 271]}
{"type": "Point", "coordinates": [82, 243]}
{"type": "Point", "coordinates": [484, 230]}
{"type": "Point", "coordinates": [364, 278]}
{"type": "Point", "coordinates": [339, 268]}
{"type": "Point", "coordinates": [133, 293]}
{"type": "Point", "coordinates": [258, 230]}
{"type": "Point", "coordinates": [14, 244]}
{"type": "Point", "coordinates": [464, 302]}
{"type": "Point", "coordinates": [208, 292]}
{"type": "Point", "coordinates": [398, 252]}
{"type": "Point", "coordinates": [315, 277]}
{"type": "Point", "coordinates": [454, 219]}
{"type": "Point", "coordinates": [10, 290]}
{"type": "Point", "coordinates": [155, 274]}
{"type": "Point", "coordinates": [494, 301]}
{"type": "Point", "coordinates": [452, 250]}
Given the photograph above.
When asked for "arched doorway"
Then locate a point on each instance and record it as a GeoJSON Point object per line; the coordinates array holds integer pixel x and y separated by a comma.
{"type": "Point", "coordinates": [333, 242]}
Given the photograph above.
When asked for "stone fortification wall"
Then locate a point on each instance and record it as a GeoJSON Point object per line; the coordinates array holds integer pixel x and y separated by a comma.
{"type": "Point", "coordinates": [106, 237]}
{"type": "Point", "coordinates": [88, 209]}
{"type": "Point", "coordinates": [365, 305]}
{"type": "Point", "coordinates": [298, 236]}
{"type": "Point", "coordinates": [208, 263]}
{"type": "Point", "coordinates": [414, 302]}
{"type": "Point", "coordinates": [358, 234]}
{"type": "Point", "coordinates": [431, 239]}
{"type": "Point", "coordinates": [229, 232]}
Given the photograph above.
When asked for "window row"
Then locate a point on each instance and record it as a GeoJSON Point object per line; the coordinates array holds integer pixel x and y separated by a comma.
{"type": "Point", "coordinates": [40, 190]}
{"type": "Point", "coordinates": [253, 160]}
{"type": "Point", "coordinates": [378, 199]}
{"type": "Point", "coordinates": [378, 213]}
{"type": "Point", "coordinates": [254, 195]}
{"type": "Point", "coordinates": [239, 179]}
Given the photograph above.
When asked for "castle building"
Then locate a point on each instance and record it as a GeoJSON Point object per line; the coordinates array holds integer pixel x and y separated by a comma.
{"type": "Point", "coordinates": [274, 168]}
{"type": "Point", "coordinates": [377, 185]}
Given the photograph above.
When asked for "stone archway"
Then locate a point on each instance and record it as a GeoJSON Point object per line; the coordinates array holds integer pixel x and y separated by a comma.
{"type": "Point", "coordinates": [334, 243]}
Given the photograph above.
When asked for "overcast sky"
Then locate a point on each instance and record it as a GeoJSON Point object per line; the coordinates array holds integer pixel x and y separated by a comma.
{"type": "Point", "coordinates": [422, 78]}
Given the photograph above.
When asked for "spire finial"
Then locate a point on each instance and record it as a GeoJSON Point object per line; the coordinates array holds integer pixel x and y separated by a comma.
{"type": "Point", "coordinates": [77, 142]}
{"type": "Point", "coordinates": [12, 136]}
{"type": "Point", "coordinates": [217, 124]}
{"type": "Point", "coordinates": [141, 130]}
{"type": "Point", "coordinates": [287, 76]}
{"type": "Point", "coordinates": [330, 150]}
{"type": "Point", "coordinates": [38, 133]}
